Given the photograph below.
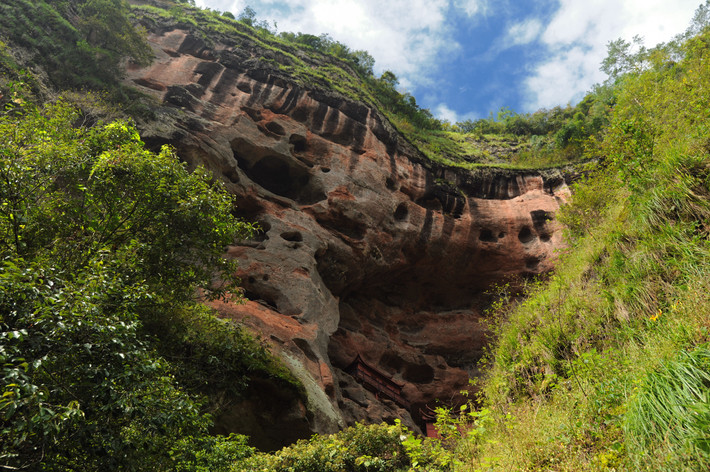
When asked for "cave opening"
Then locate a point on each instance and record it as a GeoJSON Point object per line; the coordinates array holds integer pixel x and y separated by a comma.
{"type": "Point", "coordinates": [280, 177]}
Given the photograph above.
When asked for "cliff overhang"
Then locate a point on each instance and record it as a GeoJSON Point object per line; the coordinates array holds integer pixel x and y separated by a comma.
{"type": "Point", "coordinates": [367, 248]}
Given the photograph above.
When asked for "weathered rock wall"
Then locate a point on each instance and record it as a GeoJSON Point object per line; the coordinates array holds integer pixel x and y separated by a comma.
{"type": "Point", "coordinates": [366, 248]}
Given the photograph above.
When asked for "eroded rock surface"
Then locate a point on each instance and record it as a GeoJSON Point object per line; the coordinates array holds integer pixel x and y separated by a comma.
{"type": "Point", "coordinates": [367, 248]}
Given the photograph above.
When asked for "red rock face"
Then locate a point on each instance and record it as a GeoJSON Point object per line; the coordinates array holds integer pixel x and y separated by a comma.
{"type": "Point", "coordinates": [366, 248]}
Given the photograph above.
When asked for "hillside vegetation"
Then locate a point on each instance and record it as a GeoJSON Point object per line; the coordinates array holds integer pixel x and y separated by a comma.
{"type": "Point", "coordinates": [109, 360]}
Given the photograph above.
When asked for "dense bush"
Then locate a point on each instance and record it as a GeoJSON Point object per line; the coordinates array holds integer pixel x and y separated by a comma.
{"type": "Point", "coordinates": [559, 134]}
{"type": "Point", "coordinates": [100, 239]}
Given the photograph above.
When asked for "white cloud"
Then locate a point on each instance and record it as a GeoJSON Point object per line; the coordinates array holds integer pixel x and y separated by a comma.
{"type": "Point", "coordinates": [234, 6]}
{"type": "Point", "coordinates": [443, 112]}
{"type": "Point", "coordinates": [577, 36]}
{"type": "Point", "coordinates": [472, 7]}
{"type": "Point", "coordinates": [523, 32]}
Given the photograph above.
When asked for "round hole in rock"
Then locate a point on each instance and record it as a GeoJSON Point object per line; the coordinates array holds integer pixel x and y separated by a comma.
{"type": "Point", "coordinates": [275, 128]}
{"type": "Point", "coordinates": [401, 212]}
{"type": "Point", "coordinates": [501, 235]}
{"type": "Point", "coordinates": [526, 235]}
{"type": "Point", "coordinates": [299, 143]}
{"type": "Point", "coordinates": [293, 236]}
{"type": "Point", "coordinates": [545, 237]}
{"type": "Point", "coordinates": [325, 170]}
{"type": "Point", "coordinates": [487, 236]}
{"type": "Point", "coordinates": [390, 183]}
{"type": "Point", "coordinates": [251, 280]}
{"type": "Point", "coordinates": [265, 278]}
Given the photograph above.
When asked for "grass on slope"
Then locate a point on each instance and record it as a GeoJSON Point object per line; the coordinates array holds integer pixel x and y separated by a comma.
{"type": "Point", "coordinates": [606, 366]}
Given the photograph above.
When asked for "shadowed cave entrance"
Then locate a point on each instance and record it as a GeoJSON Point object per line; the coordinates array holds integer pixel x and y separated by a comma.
{"type": "Point", "coordinates": [284, 179]}
{"type": "Point", "coordinates": [418, 327]}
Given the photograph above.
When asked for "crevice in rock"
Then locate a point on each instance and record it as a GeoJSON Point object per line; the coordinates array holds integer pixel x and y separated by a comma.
{"type": "Point", "coordinates": [418, 373]}
{"type": "Point", "coordinates": [540, 218]}
{"type": "Point", "coordinates": [444, 199]}
{"type": "Point", "coordinates": [180, 97]}
{"type": "Point", "coordinates": [532, 263]}
{"type": "Point", "coordinates": [341, 224]}
{"type": "Point", "coordinates": [275, 128]}
{"type": "Point", "coordinates": [304, 346]}
{"type": "Point", "coordinates": [262, 234]}
{"type": "Point", "coordinates": [390, 184]}
{"type": "Point", "coordinates": [299, 144]}
{"type": "Point", "coordinates": [253, 113]}
{"type": "Point", "coordinates": [232, 175]}
{"type": "Point", "coordinates": [261, 298]}
{"type": "Point", "coordinates": [430, 202]}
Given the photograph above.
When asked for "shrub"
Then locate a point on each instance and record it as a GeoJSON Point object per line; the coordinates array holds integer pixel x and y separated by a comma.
{"type": "Point", "coordinates": [361, 448]}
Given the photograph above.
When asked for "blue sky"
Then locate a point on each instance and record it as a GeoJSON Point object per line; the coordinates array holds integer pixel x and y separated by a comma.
{"type": "Point", "coordinates": [463, 59]}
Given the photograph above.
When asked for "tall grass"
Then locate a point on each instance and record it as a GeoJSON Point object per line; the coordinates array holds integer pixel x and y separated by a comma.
{"type": "Point", "coordinates": [669, 415]}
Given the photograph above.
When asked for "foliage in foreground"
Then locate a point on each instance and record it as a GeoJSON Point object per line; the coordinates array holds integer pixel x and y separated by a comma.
{"type": "Point", "coordinates": [103, 247]}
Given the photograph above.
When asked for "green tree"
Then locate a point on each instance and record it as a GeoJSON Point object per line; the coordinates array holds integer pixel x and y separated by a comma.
{"type": "Point", "coordinates": [98, 235]}
{"type": "Point", "coordinates": [247, 16]}
{"type": "Point", "coordinates": [623, 57]}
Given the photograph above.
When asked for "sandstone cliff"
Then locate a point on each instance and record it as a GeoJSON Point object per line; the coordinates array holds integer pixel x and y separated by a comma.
{"type": "Point", "coordinates": [366, 247]}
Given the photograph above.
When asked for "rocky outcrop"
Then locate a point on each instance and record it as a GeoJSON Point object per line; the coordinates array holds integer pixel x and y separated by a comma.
{"type": "Point", "coordinates": [366, 247]}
